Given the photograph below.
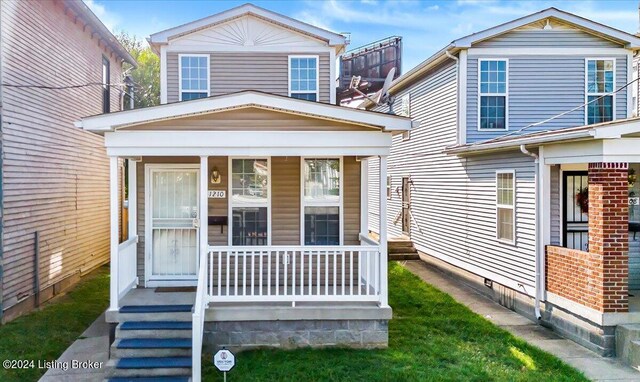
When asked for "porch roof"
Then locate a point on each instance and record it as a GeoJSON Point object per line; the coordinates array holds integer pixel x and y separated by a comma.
{"type": "Point", "coordinates": [112, 121]}
{"type": "Point", "coordinates": [626, 128]}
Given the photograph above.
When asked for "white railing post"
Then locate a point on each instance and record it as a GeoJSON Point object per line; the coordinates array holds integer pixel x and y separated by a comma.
{"type": "Point", "coordinates": [384, 299]}
{"type": "Point", "coordinates": [364, 197]}
{"type": "Point", "coordinates": [113, 207]}
{"type": "Point", "coordinates": [133, 199]}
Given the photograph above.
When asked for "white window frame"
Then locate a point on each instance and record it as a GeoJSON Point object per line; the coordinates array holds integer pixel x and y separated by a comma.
{"type": "Point", "coordinates": [304, 203]}
{"type": "Point", "coordinates": [231, 204]}
{"type": "Point", "coordinates": [180, 90]}
{"type": "Point", "coordinates": [505, 94]}
{"type": "Point", "coordinates": [317, 75]}
{"type": "Point", "coordinates": [599, 94]}
{"type": "Point", "coordinates": [513, 207]}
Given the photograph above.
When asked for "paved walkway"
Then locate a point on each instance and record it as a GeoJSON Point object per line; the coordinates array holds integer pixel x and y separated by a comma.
{"type": "Point", "coordinates": [92, 345]}
{"type": "Point", "coordinates": [591, 364]}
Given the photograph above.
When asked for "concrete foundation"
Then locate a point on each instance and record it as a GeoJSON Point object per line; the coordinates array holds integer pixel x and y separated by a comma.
{"type": "Point", "coordinates": [289, 334]}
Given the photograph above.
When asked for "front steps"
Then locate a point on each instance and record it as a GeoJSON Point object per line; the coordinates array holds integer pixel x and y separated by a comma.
{"type": "Point", "coordinates": [628, 344]}
{"type": "Point", "coordinates": [152, 343]}
{"type": "Point", "coordinates": [401, 249]}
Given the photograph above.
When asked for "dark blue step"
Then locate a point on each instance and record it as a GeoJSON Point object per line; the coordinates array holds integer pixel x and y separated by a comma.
{"type": "Point", "coordinates": [155, 308]}
{"type": "Point", "coordinates": [150, 379]}
{"type": "Point", "coordinates": [154, 343]}
{"type": "Point", "coordinates": [153, 362]}
{"type": "Point", "coordinates": [156, 325]}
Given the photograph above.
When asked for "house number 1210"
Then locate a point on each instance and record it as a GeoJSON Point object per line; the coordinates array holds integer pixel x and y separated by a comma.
{"type": "Point", "coordinates": [217, 194]}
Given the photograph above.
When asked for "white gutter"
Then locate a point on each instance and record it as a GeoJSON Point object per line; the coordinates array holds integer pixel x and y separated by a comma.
{"type": "Point", "coordinates": [539, 282]}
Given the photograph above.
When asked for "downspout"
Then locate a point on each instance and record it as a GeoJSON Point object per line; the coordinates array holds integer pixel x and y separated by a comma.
{"type": "Point", "coordinates": [538, 281]}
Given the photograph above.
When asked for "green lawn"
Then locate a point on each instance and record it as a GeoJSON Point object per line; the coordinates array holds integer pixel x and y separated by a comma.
{"type": "Point", "coordinates": [45, 334]}
{"type": "Point", "coordinates": [431, 338]}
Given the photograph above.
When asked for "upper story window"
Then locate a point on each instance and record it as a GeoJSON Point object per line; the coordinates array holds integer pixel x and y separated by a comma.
{"type": "Point", "coordinates": [194, 76]}
{"type": "Point", "coordinates": [303, 77]}
{"type": "Point", "coordinates": [493, 95]}
{"type": "Point", "coordinates": [600, 83]}
{"type": "Point", "coordinates": [106, 85]}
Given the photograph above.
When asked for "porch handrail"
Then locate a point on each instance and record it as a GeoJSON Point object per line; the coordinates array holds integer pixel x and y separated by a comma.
{"type": "Point", "coordinates": [295, 273]}
{"type": "Point", "coordinates": [199, 308]}
{"type": "Point", "coordinates": [366, 239]}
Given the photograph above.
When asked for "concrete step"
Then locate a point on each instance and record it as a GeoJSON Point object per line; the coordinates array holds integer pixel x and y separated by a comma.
{"type": "Point", "coordinates": [150, 367]}
{"type": "Point", "coordinates": [628, 344]}
{"type": "Point", "coordinates": [155, 308]}
{"type": "Point", "coordinates": [403, 256]}
{"type": "Point", "coordinates": [403, 250]}
{"type": "Point", "coordinates": [159, 316]}
{"type": "Point", "coordinates": [154, 329]}
{"type": "Point", "coordinates": [150, 379]}
{"type": "Point", "coordinates": [151, 347]}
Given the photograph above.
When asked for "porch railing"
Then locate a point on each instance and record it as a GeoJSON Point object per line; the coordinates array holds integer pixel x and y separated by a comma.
{"type": "Point", "coordinates": [199, 308]}
{"type": "Point", "coordinates": [127, 270]}
{"type": "Point", "coordinates": [294, 273]}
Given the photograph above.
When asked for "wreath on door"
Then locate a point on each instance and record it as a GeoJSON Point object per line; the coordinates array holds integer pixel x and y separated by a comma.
{"type": "Point", "coordinates": [582, 199]}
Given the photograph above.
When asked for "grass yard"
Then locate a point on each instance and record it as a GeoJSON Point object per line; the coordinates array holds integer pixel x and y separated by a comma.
{"type": "Point", "coordinates": [431, 338]}
{"type": "Point", "coordinates": [46, 333]}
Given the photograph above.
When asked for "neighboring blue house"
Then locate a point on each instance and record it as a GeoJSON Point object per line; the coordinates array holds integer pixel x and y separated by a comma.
{"type": "Point", "coordinates": [496, 183]}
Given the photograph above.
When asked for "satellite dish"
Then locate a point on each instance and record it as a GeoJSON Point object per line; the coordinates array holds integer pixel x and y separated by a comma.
{"type": "Point", "coordinates": [385, 97]}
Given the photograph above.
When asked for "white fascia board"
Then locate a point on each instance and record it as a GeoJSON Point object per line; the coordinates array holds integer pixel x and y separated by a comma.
{"type": "Point", "coordinates": [108, 122]}
{"type": "Point", "coordinates": [632, 41]}
{"type": "Point", "coordinates": [515, 143]}
{"type": "Point", "coordinates": [330, 37]}
{"type": "Point", "coordinates": [274, 143]}
{"type": "Point", "coordinates": [620, 129]}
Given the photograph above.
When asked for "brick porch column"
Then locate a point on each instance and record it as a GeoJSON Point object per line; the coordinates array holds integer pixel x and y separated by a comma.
{"type": "Point", "coordinates": [609, 231]}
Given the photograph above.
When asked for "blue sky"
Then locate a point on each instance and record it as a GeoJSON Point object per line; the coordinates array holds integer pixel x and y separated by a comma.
{"type": "Point", "coordinates": [426, 26]}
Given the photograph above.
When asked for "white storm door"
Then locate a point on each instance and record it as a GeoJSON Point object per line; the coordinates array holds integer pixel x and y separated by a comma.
{"type": "Point", "coordinates": [174, 222]}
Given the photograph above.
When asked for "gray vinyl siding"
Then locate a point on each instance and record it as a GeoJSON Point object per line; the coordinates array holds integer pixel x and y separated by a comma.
{"type": "Point", "coordinates": [548, 38]}
{"type": "Point", "coordinates": [541, 87]}
{"type": "Point", "coordinates": [453, 198]}
{"type": "Point", "coordinates": [55, 177]}
{"type": "Point", "coordinates": [235, 71]}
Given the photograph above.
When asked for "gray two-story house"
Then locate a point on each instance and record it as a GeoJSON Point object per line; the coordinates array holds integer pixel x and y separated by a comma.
{"type": "Point", "coordinates": [522, 174]}
{"type": "Point", "coordinates": [246, 191]}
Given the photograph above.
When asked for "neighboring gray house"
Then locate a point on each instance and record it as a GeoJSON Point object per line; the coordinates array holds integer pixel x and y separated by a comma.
{"type": "Point", "coordinates": [511, 182]}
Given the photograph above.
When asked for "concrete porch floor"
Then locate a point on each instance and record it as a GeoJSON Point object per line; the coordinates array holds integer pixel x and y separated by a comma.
{"type": "Point", "coordinates": [593, 366]}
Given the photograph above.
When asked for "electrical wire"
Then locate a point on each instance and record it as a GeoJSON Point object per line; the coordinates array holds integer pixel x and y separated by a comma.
{"type": "Point", "coordinates": [555, 116]}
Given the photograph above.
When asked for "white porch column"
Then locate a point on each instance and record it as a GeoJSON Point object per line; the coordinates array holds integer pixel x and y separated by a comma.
{"type": "Point", "coordinates": [113, 199]}
{"type": "Point", "coordinates": [203, 216]}
{"type": "Point", "coordinates": [364, 197]}
{"type": "Point", "coordinates": [133, 199]}
{"type": "Point", "coordinates": [384, 290]}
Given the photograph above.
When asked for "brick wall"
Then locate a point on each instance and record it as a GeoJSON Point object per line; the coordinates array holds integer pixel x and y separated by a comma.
{"type": "Point", "coordinates": [609, 230]}
{"type": "Point", "coordinates": [575, 275]}
{"type": "Point", "coordinates": [597, 279]}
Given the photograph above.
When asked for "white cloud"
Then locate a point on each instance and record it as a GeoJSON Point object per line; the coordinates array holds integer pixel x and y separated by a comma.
{"type": "Point", "coordinates": [109, 19]}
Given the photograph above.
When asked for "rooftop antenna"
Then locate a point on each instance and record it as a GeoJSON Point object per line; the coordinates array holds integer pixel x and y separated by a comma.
{"type": "Point", "coordinates": [383, 96]}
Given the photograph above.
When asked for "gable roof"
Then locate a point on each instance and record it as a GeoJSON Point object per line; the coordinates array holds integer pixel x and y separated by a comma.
{"type": "Point", "coordinates": [163, 37]}
{"type": "Point", "coordinates": [629, 41]}
{"type": "Point", "coordinates": [111, 121]}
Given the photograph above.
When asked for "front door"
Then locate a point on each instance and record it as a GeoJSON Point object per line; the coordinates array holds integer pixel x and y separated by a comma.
{"type": "Point", "coordinates": [406, 206]}
{"type": "Point", "coordinates": [576, 216]}
{"type": "Point", "coordinates": [172, 225]}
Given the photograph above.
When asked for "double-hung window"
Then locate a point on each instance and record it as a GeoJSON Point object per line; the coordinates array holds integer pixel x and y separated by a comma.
{"type": "Point", "coordinates": [493, 95]}
{"type": "Point", "coordinates": [303, 77]}
{"type": "Point", "coordinates": [106, 85]}
{"type": "Point", "coordinates": [250, 201]}
{"type": "Point", "coordinates": [505, 206]}
{"type": "Point", "coordinates": [600, 83]}
{"type": "Point", "coordinates": [194, 76]}
{"type": "Point", "coordinates": [321, 200]}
